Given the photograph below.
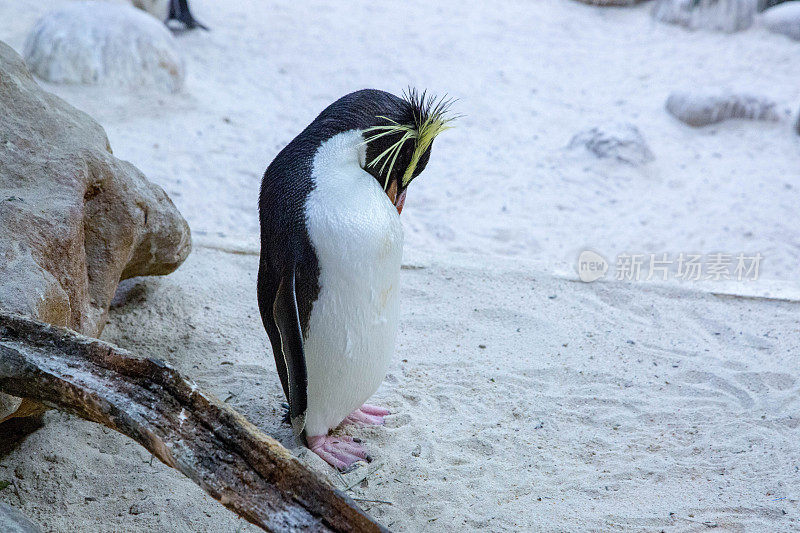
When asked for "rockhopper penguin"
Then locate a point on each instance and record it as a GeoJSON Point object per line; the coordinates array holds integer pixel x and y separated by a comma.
{"type": "Point", "coordinates": [331, 246]}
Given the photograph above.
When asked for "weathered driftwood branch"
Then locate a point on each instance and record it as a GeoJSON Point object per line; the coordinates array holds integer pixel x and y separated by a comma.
{"type": "Point", "coordinates": [186, 428]}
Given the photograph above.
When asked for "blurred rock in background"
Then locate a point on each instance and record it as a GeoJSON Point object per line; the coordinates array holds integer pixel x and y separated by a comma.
{"type": "Point", "coordinates": [719, 15]}
{"type": "Point", "coordinates": [702, 109]}
{"type": "Point", "coordinates": [104, 43]}
{"type": "Point", "coordinates": [620, 141]}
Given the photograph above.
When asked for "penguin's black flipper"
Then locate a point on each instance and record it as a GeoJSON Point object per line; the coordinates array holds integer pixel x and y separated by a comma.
{"type": "Point", "coordinates": [179, 10]}
{"type": "Point", "coordinates": [291, 357]}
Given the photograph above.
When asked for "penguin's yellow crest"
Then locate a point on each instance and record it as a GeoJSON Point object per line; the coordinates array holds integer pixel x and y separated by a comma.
{"type": "Point", "coordinates": [430, 118]}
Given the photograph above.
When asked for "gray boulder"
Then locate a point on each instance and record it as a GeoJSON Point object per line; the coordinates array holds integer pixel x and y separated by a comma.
{"type": "Point", "coordinates": [74, 219]}
{"type": "Point", "coordinates": [699, 109]}
{"type": "Point", "coordinates": [102, 43]}
{"type": "Point", "coordinates": [619, 141]}
{"type": "Point", "coordinates": [718, 15]}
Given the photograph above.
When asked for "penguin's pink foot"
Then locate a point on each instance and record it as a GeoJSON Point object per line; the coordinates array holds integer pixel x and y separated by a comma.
{"type": "Point", "coordinates": [368, 415]}
{"type": "Point", "coordinates": [338, 451]}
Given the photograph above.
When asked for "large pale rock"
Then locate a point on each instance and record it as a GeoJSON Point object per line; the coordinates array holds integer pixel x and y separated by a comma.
{"type": "Point", "coordinates": [74, 219]}
{"type": "Point", "coordinates": [783, 19]}
{"type": "Point", "coordinates": [718, 15]}
{"type": "Point", "coordinates": [700, 109]}
{"type": "Point", "coordinates": [102, 43]}
{"type": "Point", "coordinates": [619, 141]}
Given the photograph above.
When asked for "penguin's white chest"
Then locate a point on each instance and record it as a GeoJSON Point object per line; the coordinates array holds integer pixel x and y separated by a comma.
{"type": "Point", "coordinates": [358, 239]}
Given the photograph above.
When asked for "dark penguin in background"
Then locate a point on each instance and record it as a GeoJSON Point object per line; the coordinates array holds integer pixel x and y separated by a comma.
{"type": "Point", "coordinates": [331, 246]}
{"type": "Point", "coordinates": [169, 11]}
{"type": "Point", "coordinates": [179, 11]}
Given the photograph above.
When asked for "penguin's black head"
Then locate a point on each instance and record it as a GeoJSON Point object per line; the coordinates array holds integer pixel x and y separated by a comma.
{"type": "Point", "coordinates": [399, 143]}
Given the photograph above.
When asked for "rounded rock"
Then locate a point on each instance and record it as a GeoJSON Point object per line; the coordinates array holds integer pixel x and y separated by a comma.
{"type": "Point", "coordinates": [101, 43]}
{"type": "Point", "coordinates": [619, 141]}
{"type": "Point", "coordinates": [699, 109]}
{"type": "Point", "coordinates": [727, 16]}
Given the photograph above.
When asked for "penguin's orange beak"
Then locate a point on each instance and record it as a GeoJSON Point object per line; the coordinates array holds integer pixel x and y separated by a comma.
{"type": "Point", "coordinates": [397, 199]}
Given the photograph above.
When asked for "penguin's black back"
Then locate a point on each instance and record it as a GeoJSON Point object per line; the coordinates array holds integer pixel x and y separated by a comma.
{"type": "Point", "coordinates": [287, 183]}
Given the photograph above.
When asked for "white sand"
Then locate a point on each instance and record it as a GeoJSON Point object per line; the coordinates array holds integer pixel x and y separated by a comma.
{"type": "Point", "coordinates": [603, 406]}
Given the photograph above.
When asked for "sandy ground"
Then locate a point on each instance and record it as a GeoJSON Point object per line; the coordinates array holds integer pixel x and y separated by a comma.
{"type": "Point", "coordinates": [522, 400]}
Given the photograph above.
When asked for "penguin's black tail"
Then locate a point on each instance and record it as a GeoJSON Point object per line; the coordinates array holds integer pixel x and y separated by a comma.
{"type": "Point", "coordinates": [179, 10]}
